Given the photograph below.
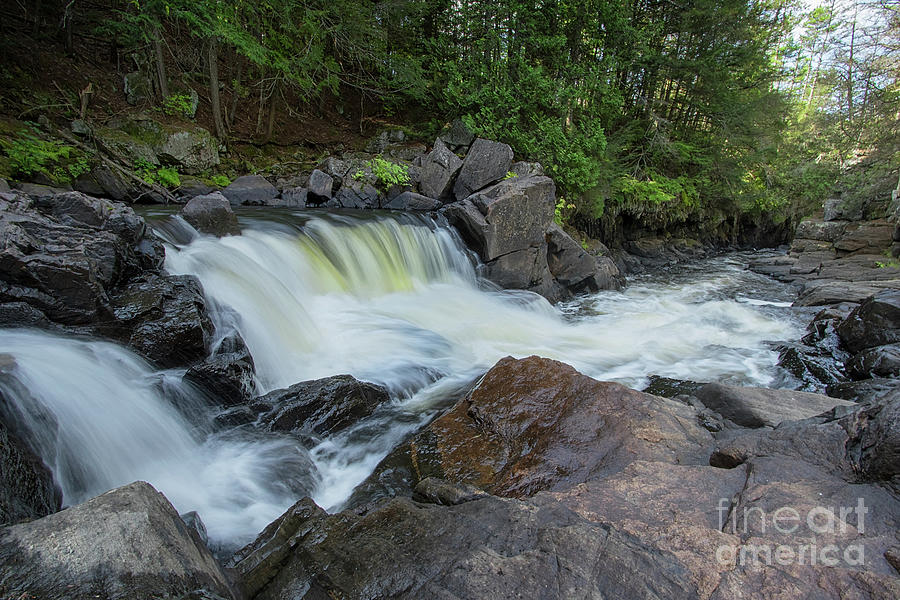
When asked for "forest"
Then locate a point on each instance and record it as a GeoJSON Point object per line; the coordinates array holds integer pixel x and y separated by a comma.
{"type": "Point", "coordinates": [663, 110]}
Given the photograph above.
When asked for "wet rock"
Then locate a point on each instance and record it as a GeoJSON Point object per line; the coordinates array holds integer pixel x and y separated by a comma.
{"type": "Point", "coordinates": [321, 407]}
{"type": "Point", "coordinates": [227, 377]}
{"type": "Point", "coordinates": [319, 188]}
{"type": "Point", "coordinates": [127, 543]}
{"type": "Point", "coordinates": [439, 169]}
{"type": "Point", "coordinates": [536, 424]}
{"type": "Point", "coordinates": [356, 194]}
{"type": "Point", "coordinates": [866, 390]}
{"type": "Point", "coordinates": [667, 387]}
{"type": "Point", "coordinates": [487, 162]}
{"type": "Point", "coordinates": [876, 322]}
{"type": "Point", "coordinates": [825, 293]}
{"type": "Point", "coordinates": [437, 491]}
{"type": "Point", "coordinates": [575, 269]}
{"type": "Point", "coordinates": [880, 361]}
{"type": "Point", "coordinates": [762, 407]}
{"type": "Point", "coordinates": [27, 490]}
{"type": "Point", "coordinates": [815, 366]}
{"type": "Point", "coordinates": [413, 201]}
{"type": "Point", "coordinates": [211, 214]}
{"type": "Point", "coordinates": [458, 136]}
{"type": "Point", "coordinates": [296, 197]}
{"type": "Point", "coordinates": [486, 548]}
{"type": "Point", "coordinates": [250, 190]}
{"type": "Point", "coordinates": [163, 318]}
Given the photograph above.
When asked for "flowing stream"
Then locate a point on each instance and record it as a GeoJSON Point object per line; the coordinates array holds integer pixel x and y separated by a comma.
{"type": "Point", "coordinates": [395, 301]}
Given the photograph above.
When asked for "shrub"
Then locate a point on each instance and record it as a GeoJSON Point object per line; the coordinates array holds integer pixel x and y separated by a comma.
{"type": "Point", "coordinates": [166, 176]}
{"type": "Point", "coordinates": [178, 105]}
{"type": "Point", "coordinates": [221, 181]}
{"type": "Point", "coordinates": [389, 174]}
{"type": "Point", "coordinates": [29, 155]}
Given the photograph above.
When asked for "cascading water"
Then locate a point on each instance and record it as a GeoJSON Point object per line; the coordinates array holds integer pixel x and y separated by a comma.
{"type": "Point", "coordinates": [396, 303]}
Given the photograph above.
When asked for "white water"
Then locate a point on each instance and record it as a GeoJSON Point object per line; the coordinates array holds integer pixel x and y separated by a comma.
{"type": "Point", "coordinates": [397, 304]}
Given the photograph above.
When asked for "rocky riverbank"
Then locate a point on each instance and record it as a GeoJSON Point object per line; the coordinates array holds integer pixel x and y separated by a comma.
{"type": "Point", "coordinates": [538, 482]}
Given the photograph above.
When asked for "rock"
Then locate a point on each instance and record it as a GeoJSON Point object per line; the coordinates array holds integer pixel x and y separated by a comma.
{"type": "Point", "coordinates": [191, 148]}
{"type": "Point", "coordinates": [837, 209]}
{"type": "Point", "coordinates": [163, 318]}
{"type": "Point", "coordinates": [195, 150]}
{"type": "Point", "coordinates": [137, 88]}
{"type": "Point", "coordinates": [458, 136]}
{"type": "Point", "coordinates": [250, 190]}
{"type": "Point", "coordinates": [816, 229]}
{"type": "Point", "coordinates": [319, 188]}
{"type": "Point", "coordinates": [4, 186]}
{"type": "Point", "coordinates": [437, 491]}
{"type": "Point", "coordinates": [762, 407]}
{"type": "Point", "coordinates": [228, 377]}
{"type": "Point", "coordinates": [527, 169]}
{"type": "Point", "coordinates": [80, 128]}
{"type": "Point", "coordinates": [486, 163]}
{"type": "Point", "coordinates": [876, 438]}
{"type": "Point", "coordinates": [871, 237]}
{"type": "Point", "coordinates": [191, 188]}
{"type": "Point", "coordinates": [127, 543]}
{"type": "Point", "coordinates": [815, 366]}
{"type": "Point", "coordinates": [536, 424]}
{"type": "Point", "coordinates": [192, 520]}
{"type": "Point", "coordinates": [356, 194]}
{"type": "Point", "coordinates": [880, 361]}
{"type": "Point", "coordinates": [27, 490]}
{"type": "Point", "coordinates": [296, 197]}
{"type": "Point", "coordinates": [876, 322]}
{"type": "Point", "coordinates": [439, 170]}
{"type": "Point", "coordinates": [510, 216]}
{"type": "Point", "coordinates": [825, 293]}
{"type": "Point", "coordinates": [385, 139]}
{"type": "Point", "coordinates": [864, 391]}
{"type": "Point", "coordinates": [413, 201]}
{"type": "Point", "coordinates": [211, 214]}
{"type": "Point", "coordinates": [321, 407]}
{"type": "Point", "coordinates": [575, 269]}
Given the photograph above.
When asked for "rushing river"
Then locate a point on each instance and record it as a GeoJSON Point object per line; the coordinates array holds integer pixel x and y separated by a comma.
{"type": "Point", "coordinates": [393, 301]}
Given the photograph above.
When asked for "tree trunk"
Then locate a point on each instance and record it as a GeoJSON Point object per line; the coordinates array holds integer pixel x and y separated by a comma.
{"type": "Point", "coordinates": [273, 104]}
{"type": "Point", "coordinates": [214, 90]}
{"type": "Point", "coordinates": [160, 65]}
{"type": "Point", "coordinates": [235, 95]}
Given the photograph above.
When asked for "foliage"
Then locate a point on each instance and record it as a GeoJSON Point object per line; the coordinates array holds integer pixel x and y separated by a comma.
{"type": "Point", "coordinates": [30, 155]}
{"type": "Point", "coordinates": [388, 173]}
{"type": "Point", "coordinates": [221, 181]}
{"type": "Point", "coordinates": [177, 105]}
{"type": "Point", "coordinates": [166, 176]}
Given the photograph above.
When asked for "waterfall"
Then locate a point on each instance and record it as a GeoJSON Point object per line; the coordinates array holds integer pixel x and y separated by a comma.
{"type": "Point", "coordinates": [395, 302]}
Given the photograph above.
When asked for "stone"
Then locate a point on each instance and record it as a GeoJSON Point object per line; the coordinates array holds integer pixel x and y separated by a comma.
{"type": "Point", "coordinates": [137, 88]}
{"type": "Point", "coordinates": [527, 169]}
{"type": "Point", "coordinates": [296, 197]}
{"type": "Point", "coordinates": [439, 170]}
{"type": "Point", "coordinates": [575, 269]}
{"type": "Point", "coordinates": [164, 318]}
{"type": "Point", "coordinates": [80, 128]}
{"type": "Point", "coordinates": [763, 407]}
{"type": "Point", "coordinates": [880, 361]}
{"type": "Point", "coordinates": [211, 214]}
{"type": "Point", "coordinates": [487, 162]}
{"type": "Point", "coordinates": [837, 209]}
{"type": "Point", "coordinates": [228, 377]}
{"type": "Point", "coordinates": [536, 424]}
{"type": "Point", "coordinates": [250, 190]}
{"type": "Point", "coordinates": [871, 237]}
{"type": "Point", "coordinates": [321, 407]}
{"type": "Point", "coordinates": [356, 194]}
{"type": "Point", "coordinates": [4, 186]}
{"type": "Point", "coordinates": [319, 188]}
{"type": "Point", "coordinates": [819, 230]}
{"type": "Point", "coordinates": [27, 490]}
{"type": "Point", "coordinates": [458, 136]}
{"type": "Point", "coordinates": [413, 201]}
{"type": "Point", "coordinates": [864, 391]}
{"type": "Point", "coordinates": [191, 188]}
{"type": "Point", "coordinates": [194, 150]}
{"type": "Point", "coordinates": [875, 322]}
{"type": "Point", "coordinates": [127, 543]}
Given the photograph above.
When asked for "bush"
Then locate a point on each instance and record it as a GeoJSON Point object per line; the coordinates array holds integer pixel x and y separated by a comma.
{"type": "Point", "coordinates": [221, 181]}
{"type": "Point", "coordinates": [178, 105]}
{"type": "Point", "coordinates": [30, 155]}
{"type": "Point", "coordinates": [389, 174]}
{"type": "Point", "coordinates": [167, 176]}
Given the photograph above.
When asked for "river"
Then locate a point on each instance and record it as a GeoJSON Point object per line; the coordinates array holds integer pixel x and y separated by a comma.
{"type": "Point", "coordinates": [392, 300]}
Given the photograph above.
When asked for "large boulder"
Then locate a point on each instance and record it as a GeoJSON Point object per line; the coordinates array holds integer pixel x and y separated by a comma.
{"type": "Point", "coordinates": [574, 268]}
{"type": "Point", "coordinates": [211, 214]}
{"type": "Point", "coordinates": [321, 407]}
{"type": "Point", "coordinates": [191, 149]}
{"type": "Point", "coordinates": [486, 163]}
{"type": "Point", "coordinates": [194, 149]}
{"type": "Point", "coordinates": [319, 188]}
{"type": "Point", "coordinates": [457, 136]}
{"type": "Point", "coordinates": [250, 190]}
{"type": "Point", "coordinates": [413, 201]}
{"type": "Point", "coordinates": [439, 169]}
{"type": "Point", "coordinates": [355, 193]}
{"type": "Point", "coordinates": [537, 424]}
{"type": "Point", "coordinates": [763, 407]}
{"type": "Point", "coordinates": [228, 377]}
{"type": "Point", "coordinates": [127, 543]}
{"type": "Point", "coordinates": [875, 322]}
